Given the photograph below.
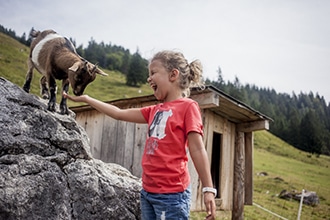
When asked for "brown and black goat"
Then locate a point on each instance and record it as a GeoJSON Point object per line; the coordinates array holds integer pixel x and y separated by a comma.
{"type": "Point", "coordinates": [55, 57]}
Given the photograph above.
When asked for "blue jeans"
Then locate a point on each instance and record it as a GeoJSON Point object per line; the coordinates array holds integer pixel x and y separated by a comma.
{"type": "Point", "coordinates": [169, 206]}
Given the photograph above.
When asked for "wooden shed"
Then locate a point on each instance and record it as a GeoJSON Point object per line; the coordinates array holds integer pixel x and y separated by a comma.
{"type": "Point", "coordinates": [228, 138]}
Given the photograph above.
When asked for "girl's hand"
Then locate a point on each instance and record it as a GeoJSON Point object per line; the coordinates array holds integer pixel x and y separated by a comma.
{"type": "Point", "coordinates": [81, 98]}
{"type": "Point", "coordinates": [209, 202]}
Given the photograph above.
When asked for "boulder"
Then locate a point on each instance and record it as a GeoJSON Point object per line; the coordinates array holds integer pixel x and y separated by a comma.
{"type": "Point", "coordinates": [309, 198]}
{"type": "Point", "coordinates": [47, 170]}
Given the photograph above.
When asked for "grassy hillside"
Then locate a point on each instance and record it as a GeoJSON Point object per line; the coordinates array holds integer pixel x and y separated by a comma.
{"type": "Point", "coordinates": [13, 56]}
{"type": "Point", "coordinates": [13, 66]}
{"type": "Point", "coordinates": [287, 167]}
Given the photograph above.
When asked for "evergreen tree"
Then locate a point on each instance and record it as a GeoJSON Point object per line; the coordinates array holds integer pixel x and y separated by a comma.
{"type": "Point", "coordinates": [293, 131]}
{"type": "Point", "coordinates": [23, 39]}
{"type": "Point", "coordinates": [310, 133]}
{"type": "Point", "coordinates": [125, 62]}
{"type": "Point", "coordinates": [138, 70]}
{"type": "Point", "coordinates": [220, 81]}
{"type": "Point", "coordinates": [80, 50]}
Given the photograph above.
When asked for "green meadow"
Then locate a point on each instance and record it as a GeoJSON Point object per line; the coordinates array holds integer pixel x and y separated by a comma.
{"type": "Point", "coordinates": [288, 169]}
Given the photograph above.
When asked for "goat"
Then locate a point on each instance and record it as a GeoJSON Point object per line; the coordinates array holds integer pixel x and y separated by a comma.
{"type": "Point", "coordinates": [55, 57]}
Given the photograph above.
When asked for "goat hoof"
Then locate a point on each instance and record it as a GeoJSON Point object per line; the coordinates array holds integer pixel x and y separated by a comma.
{"type": "Point", "coordinates": [44, 96]}
{"type": "Point", "coordinates": [26, 90]}
{"type": "Point", "coordinates": [51, 108]}
{"type": "Point", "coordinates": [64, 112]}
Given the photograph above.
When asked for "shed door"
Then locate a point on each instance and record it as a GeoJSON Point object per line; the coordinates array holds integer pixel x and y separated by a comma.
{"type": "Point", "coordinates": [215, 162]}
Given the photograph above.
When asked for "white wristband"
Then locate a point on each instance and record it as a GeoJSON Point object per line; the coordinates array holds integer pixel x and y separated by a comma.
{"type": "Point", "coordinates": [210, 189]}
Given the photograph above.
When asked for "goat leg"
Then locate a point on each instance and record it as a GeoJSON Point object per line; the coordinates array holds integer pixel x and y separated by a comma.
{"type": "Point", "coordinates": [43, 88]}
{"type": "Point", "coordinates": [52, 99]}
{"type": "Point", "coordinates": [28, 78]}
{"type": "Point", "coordinates": [63, 105]}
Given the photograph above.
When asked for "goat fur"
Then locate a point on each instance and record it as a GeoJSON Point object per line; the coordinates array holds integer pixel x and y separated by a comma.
{"type": "Point", "coordinates": [55, 58]}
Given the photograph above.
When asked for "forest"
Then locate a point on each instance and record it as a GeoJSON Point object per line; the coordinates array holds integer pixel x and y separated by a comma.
{"type": "Point", "coordinates": [302, 120]}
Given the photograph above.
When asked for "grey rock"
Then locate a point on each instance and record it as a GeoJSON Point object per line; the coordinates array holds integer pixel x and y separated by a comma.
{"type": "Point", "coordinates": [47, 170]}
{"type": "Point", "coordinates": [309, 198]}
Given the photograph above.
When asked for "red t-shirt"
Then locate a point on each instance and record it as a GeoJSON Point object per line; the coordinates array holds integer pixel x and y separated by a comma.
{"type": "Point", "coordinates": [165, 160]}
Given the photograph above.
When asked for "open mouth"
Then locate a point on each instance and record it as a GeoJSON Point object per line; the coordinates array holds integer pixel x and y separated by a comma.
{"type": "Point", "coordinates": [77, 93]}
{"type": "Point", "coordinates": [153, 86]}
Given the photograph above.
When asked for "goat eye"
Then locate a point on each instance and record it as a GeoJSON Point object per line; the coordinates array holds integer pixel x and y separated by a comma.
{"type": "Point", "coordinates": [79, 79]}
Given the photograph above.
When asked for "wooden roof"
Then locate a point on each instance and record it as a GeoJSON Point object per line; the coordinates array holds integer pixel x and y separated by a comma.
{"type": "Point", "coordinates": [209, 98]}
{"type": "Point", "coordinates": [231, 108]}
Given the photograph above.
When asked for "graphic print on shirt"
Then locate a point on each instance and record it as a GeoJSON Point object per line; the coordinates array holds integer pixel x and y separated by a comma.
{"type": "Point", "coordinates": [157, 130]}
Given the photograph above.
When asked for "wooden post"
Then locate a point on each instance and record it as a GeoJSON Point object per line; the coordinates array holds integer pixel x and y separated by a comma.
{"type": "Point", "coordinates": [239, 173]}
{"type": "Point", "coordinates": [248, 192]}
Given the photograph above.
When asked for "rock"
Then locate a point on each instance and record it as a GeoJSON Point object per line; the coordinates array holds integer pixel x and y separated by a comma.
{"type": "Point", "coordinates": [47, 170]}
{"type": "Point", "coordinates": [262, 174]}
{"type": "Point", "coordinates": [279, 179]}
{"type": "Point", "coordinates": [310, 198]}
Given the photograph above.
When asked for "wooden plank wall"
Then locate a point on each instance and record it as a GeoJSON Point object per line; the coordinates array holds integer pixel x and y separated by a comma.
{"type": "Point", "coordinates": [114, 141]}
{"type": "Point", "coordinates": [227, 168]}
{"type": "Point", "coordinates": [92, 122]}
{"type": "Point", "coordinates": [215, 123]}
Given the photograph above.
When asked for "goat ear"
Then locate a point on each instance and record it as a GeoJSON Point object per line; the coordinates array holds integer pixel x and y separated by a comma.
{"type": "Point", "coordinates": [85, 66]}
{"type": "Point", "coordinates": [74, 67]}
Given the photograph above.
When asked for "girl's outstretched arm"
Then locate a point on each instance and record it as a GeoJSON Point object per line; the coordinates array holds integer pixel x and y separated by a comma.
{"type": "Point", "coordinates": [130, 115]}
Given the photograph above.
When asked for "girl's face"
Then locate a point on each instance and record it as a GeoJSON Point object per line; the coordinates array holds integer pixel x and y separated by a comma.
{"type": "Point", "coordinates": [159, 79]}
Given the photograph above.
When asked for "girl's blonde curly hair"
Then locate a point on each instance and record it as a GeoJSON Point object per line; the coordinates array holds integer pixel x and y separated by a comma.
{"type": "Point", "coordinates": [190, 73]}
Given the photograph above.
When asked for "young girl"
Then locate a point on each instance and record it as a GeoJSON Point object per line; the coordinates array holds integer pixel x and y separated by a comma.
{"type": "Point", "coordinates": [175, 125]}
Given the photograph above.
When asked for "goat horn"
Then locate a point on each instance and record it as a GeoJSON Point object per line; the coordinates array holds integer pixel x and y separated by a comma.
{"type": "Point", "coordinates": [94, 68]}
